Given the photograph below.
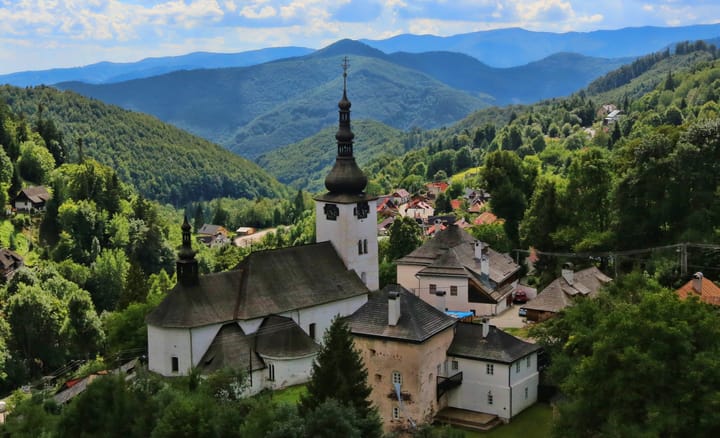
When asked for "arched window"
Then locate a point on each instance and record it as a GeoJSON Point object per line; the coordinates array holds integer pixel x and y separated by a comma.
{"type": "Point", "coordinates": [360, 247]}
{"type": "Point", "coordinates": [365, 246]}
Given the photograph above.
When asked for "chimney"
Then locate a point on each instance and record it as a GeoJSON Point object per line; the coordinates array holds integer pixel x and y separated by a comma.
{"type": "Point", "coordinates": [568, 274]}
{"type": "Point", "coordinates": [481, 253]}
{"type": "Point", "coordinates": [485, 327]}
{"type": "Point", "coordinates": [440, 301]}
{"type": "Point", "coordinates": [697, 282]}
{"type": "Point", "coordinates": [478, 249]}
{"type": "Point", "coordinates": [393, 307]}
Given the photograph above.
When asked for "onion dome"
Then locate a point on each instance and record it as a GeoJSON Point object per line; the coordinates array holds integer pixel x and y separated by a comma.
{"type": "Point", "coordinates": [345, 176]}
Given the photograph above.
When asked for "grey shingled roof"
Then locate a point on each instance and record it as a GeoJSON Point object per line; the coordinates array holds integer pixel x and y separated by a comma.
{"type": "Point", "coordinates": [498, 346]}
{"type": "Point", "coordinates": [36, 194]}
{"type": "Point", "coordinates": [9, 258]}
{"type": "Point", "coordinates": [418, 320]}
{"type": "Point", "coordinates": [265, 283]}
{"type": "Point", "coordinates": [281, 337]}
{"type": "Point", "coordinates": [231, 348]}
{"type": "Point", "coordinates": [558, 294]}
{"type": "Point", "coordinates": [452, 253]}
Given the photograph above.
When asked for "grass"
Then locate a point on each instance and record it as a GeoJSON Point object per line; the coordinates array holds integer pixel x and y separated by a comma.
{"type": "Point", "coordinates": [521, 333]}
{"type": "Point", "coordinates": [290, 395]}
{"type": "Point", "coordinates": [534, 422]}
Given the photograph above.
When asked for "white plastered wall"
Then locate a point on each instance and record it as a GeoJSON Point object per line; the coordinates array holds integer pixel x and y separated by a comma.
{"type": "Point", "coordinates": [165, 343]}
{"type": "Point", "coordinates": [472, 394]}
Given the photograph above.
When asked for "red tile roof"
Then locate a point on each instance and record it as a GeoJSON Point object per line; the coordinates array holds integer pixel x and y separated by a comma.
{"type": "Point", "coordinates": [456, 204]}
{"type": "Point", "coordinates": [486, 218]}
{"type": "Point", "coordinates": [709, 292]}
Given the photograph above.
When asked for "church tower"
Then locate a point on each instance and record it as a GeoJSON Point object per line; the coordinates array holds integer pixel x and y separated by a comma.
{"type": "Point", "coordinates": [345, 215]}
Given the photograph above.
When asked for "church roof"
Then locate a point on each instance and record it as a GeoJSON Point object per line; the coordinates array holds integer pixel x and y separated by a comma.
{"type": "Point", "coordinates": [230, 348]}
{"type": "Point", "coordinates": [266, 282]}
{"type": "Point", "coordinates": [281, 337]}
{"type": "Point", "coordinates": [497, 346]}
{"type": "Point", "coordinates": [418, 321]}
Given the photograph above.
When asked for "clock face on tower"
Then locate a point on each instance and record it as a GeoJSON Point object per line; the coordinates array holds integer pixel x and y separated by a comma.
{"type": "Point", "coordinates": [362, 210]}
{"type": "Point", "coordinates": [331, 212]}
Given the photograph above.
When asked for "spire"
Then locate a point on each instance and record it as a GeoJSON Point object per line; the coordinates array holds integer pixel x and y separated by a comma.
{"type": "Point", "coordinates": [345, 176]}
{"type": "Point", "coordinates": [186, 265]}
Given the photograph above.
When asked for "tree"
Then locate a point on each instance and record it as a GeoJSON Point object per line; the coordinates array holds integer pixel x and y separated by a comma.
{"type": "Point", "coordinates": [442, 204]}
{"type": "Point", "coordinates": [405, 236]}
{"type": "Point", "coordinates": [636, 361]}
{"type": "Point", "coordinates": [81, 331]}
{"type": "Point", "coordinates": [108, 278]}
{"type": "Point", "coordinates": [339, 373]}
{"type": "Point", "coordinates": [35, 162]}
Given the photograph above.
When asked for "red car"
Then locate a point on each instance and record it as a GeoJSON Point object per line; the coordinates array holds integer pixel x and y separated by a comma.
{"type": "Point", "coordinates": [520, 297]}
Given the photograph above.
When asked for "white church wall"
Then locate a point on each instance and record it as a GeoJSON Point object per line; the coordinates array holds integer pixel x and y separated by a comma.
{"type": "Point", "coordinates": [202, 337]}
{"type": "Point", "coordinates": [166, 343]}
{"type": "Point", "coordinates": [322, 315]}
{"type": "Point", "coordinates": [283, 372]}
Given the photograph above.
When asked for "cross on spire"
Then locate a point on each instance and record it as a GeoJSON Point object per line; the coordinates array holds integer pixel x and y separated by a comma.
{"type": "Point", "coordinates": [345, 66]}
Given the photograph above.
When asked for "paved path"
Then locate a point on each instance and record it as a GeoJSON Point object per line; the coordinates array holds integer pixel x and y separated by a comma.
{"type": "Point", "coordinates": [252, 238]}
{"type": "Point", "coordinates": [509, 318]}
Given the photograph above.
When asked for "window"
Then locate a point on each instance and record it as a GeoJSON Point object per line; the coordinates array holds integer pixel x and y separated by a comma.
{"type": "Point", "coordinates": [396, 413]}
{"type": "Point", "coordinates": [312, 331]}
{"type": "Point", "coordinates": [365, 246]}
{"type": "Point", "coordinates": [453, 290]}
{"type": "Point", "coordinates": [528, 360]}
{"type": "Point", "coordinates": [396, 377]}
{"type": "Point", "coordinates": [454, 365]}
{"type": "Point", "coordinates": [490, 397]}
{"type": "Point", "coordinates": [526, 393]}
{"type": "Point", "coordinates": [433, 289]}
{"type": "Point", "coordinates": [271, 372]}
{"type": "Point", "coordinates": [360, 247]}
{"type": "Point", "coordinates": [175, 364]}
{"type": "Point", "coordinates": [517, 366]}
{"type": "Point", "coordinates": [378, 377]}
{"type": "Point", "coordinates": [489, 369]}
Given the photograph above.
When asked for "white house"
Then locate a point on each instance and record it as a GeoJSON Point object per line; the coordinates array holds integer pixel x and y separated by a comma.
{"type": "Point", "coordinates": [454, 271]}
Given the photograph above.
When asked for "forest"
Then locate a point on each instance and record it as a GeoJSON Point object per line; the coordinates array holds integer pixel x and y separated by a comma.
{"type": "Point", "coordinates": [566, 182]}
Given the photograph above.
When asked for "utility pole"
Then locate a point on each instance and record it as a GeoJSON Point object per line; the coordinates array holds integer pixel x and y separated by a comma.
{"type": "Point", "coordinates": [683, 260]}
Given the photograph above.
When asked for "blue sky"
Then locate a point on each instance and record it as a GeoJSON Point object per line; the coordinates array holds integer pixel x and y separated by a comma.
{"type": "Point", "coordinates": [40, 34]}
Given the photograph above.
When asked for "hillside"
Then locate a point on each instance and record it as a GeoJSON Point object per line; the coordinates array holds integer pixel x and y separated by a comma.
{"type": "Point", "coordinates": [255, 109]}
{"type": "Point", "coordinates": [108, 72]}
{"type": "Point", "coordinates": [306, 163]}
{"type": "Point", "coordinates": [514, 47]}
{"type": "Point", "coordinates": [161, 161]}
{"type": "Point", "coordinates": [557, 75]}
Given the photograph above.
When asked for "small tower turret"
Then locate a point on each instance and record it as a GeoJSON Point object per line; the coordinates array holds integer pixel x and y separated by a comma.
{"type": "Point", "coordinates": [186, 265]}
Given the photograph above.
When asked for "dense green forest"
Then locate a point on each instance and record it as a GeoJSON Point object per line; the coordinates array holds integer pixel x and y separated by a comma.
{"type": "Point", "coordinates": [162, 162]}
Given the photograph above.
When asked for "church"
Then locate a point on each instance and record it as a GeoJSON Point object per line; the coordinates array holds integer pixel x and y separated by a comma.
{"type": "Point", "coordinates": [269, 313]}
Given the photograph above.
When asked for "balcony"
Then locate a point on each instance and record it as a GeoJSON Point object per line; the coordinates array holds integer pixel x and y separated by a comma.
{"type": "Point", "coordinates": [445, 384]}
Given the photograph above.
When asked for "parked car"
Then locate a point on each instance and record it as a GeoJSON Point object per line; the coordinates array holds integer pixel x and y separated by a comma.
{"type": "Point", "coordinates": [520, 297]}
{"type": "Point", "coordinates": [522, 312]}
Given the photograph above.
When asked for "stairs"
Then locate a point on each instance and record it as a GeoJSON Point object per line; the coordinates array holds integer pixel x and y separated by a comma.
{"type": "Point", "coordinates": [467, 419]}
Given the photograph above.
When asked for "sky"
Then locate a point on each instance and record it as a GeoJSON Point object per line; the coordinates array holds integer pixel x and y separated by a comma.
{"type": "Point", "coordinates": [42, 34]}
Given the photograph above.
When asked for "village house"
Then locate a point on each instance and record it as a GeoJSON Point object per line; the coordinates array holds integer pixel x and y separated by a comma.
{"type": "Point", "coordinates": [10, 261]}
{"type": "Point", "coordinates": [563, 291]}
{"type": "Point", "coordinates": [473, 277]}
{"type": "Point", "coordinates": [424, 365]}
{"type": "Point", "coordinates": [702, 288]}
{"type": "Point", "coordinates": [31, 199]}
{"type": "Point", "coordinates": [435, 188]}
{"type": "Point", "coordinates": [418, 209]}
{"type": "Point", "coordinates": [212, 235]}
{"type": "Point", "coordinates": [400, 196]}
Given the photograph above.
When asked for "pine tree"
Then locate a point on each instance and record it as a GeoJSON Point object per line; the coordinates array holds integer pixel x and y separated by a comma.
{"type": "Point", "coordinates": [339, 373]}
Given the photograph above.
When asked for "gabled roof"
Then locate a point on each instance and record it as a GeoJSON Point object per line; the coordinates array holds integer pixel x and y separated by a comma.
{"type": "Point", "coordinates": [36, 194]}
{"type": "Point", "coordinates": [265, 283]}
{"type": "Point", "coordinates": [401, 193]}
{"type": "Point", "coordinates": [231, 348]}
{"type": "Point", "coordinates": [485, 218]}
{"type": "Point", "coordinates": [559, 294]}
{"type": "Point", "coordinates": [498, 346]}
{"type": "Point", "coordinates": [281, 337]}
{"type": "Point", "coordinates": [455, 204]}
{"type": "Point", "coordinates": [708, 293]}
{"type": "Point", "coordinates": [418, 321]}
{"type": "Point", "coordinates": [432, 254]}
{"type": "Point", "coordinates": [212, 230]}
{"type": "Point", "coordinates": [9, 258]}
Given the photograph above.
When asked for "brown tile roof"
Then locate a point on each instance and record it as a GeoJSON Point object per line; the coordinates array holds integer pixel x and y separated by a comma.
{"type": "Point", "coordinates": [498, 346]}
{"type": "Point", "coordinates": [486, 218]}
{"type": "Point", "coordinates": [265, 283]}
{"type": "Point", "coordinates": [709, 292]}
{"type": "Point", "coordinates": [9, 258]}
{"type": "Point", "coordinates": [418, 321]}
{"type": "Point", "coordinates": [559, 294]}
{"type": "Point", "coordinates": [36, 194]}
{"type": "Point", "coordinates": [212, 230]}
